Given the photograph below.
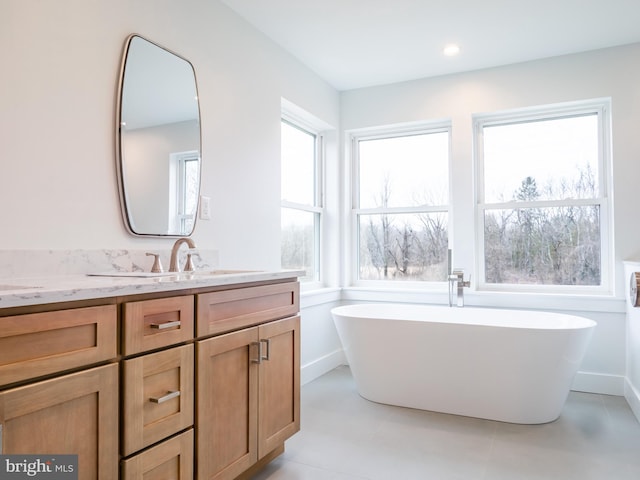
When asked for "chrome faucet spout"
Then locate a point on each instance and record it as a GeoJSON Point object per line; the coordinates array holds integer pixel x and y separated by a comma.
{"type": "Point", "coordinates": [173, 264]}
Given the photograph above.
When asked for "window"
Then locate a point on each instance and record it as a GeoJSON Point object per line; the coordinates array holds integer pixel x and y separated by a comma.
{"type": "Point", "coordinates": [301, 199]}
{"type": "Point", "coordinates": [543, 210]}
{"type": "Point", "coordinates": [185, 178]}
{"type": "Point", "coordinates": [401, 197]}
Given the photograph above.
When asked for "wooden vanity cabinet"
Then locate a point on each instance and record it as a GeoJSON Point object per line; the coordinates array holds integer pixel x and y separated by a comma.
{"type": "Point", "coordinates": [226, 405]}
{"type": "Point", "coordinates": [227, 310]}
{"type": "Point", "coordinates": [171, 459]}
{"type": "Point", "coordinates": [158, 389]}
{"type": "Point", "coordinates": [71, 413]}
{"type": "Point", "coordinates": [278, 384]}
{"type": "Point", "coordinates": [156, 323]}
{"type": "Point", "coordinates": [248, 397]}
{"type": "Point", "coordinates": [215, 373]}
{"type": "Point", "coordinates": [38, 344]}
{"type": "Point", "coordinates": [157, 397]}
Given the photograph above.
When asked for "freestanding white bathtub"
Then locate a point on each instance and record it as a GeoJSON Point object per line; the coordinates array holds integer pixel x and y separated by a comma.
{"type": "Point", "coordinates": [506, 365]}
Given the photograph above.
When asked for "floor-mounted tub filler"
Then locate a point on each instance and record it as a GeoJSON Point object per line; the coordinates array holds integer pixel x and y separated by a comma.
{"type": "Point", "coordinates": [506, 365]}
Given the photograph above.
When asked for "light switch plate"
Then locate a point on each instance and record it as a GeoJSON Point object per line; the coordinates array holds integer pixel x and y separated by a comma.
{"type": "Point", "coordinates": [205, 208]}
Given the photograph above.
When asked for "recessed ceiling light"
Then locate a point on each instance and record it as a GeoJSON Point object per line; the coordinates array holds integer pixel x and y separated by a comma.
{"type": "Point", "coordinates": [451, 50]}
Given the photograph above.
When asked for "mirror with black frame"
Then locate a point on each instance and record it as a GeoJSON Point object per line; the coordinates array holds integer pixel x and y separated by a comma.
{"type": "Point", "coordinates": [158, 141]}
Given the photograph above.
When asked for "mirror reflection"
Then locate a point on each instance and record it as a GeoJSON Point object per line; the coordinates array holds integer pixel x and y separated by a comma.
{"type": "Point", "coordinates": [158, 141]}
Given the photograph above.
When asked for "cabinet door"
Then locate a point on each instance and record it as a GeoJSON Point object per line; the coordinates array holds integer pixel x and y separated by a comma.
{"type": "Point", "coordinates": [157, 397]}
{"type": "Point", "coordinates": [72, 414]}
{"type": "Point", "coordinates": [226, 407]}
{"type": "Point", "coordinates": [171, 459]}
{"type": "Point", "coordinates": [279, 384]}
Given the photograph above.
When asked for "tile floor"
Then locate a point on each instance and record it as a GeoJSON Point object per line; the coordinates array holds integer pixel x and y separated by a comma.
{"type": "Point", "coordinates": [345, 437]}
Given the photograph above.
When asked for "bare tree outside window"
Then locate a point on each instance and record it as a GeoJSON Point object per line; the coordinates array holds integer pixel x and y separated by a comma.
{"type": "Point", "coordinates": [402, 206]}
{"type": "Point", "coordinates": [542, 202]}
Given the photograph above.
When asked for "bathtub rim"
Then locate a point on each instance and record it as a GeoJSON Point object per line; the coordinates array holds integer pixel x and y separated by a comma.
{"type": "Point", "coordinates": [544, 319]}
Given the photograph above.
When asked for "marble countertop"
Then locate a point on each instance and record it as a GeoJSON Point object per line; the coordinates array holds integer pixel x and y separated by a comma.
{"type": "Point", "coordinates": [35, 290]}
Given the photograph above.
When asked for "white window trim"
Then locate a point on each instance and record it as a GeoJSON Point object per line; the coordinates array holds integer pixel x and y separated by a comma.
{"type": "Point", "coordinates": [601, 107]}
{"type": "Point", "coordinates": [303, 120]}
{"type": "Point", "coordinates": [380, 132]}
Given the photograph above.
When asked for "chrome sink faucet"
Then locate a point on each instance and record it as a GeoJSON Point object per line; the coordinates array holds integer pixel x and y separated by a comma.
{"type": "Point", "coordinates": [173, 263]}
{"type": "Point", "coordinates": [456, 277]}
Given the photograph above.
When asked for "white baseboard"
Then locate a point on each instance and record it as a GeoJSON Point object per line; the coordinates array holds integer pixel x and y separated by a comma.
{"type": "Point", "coordinates": [633, 398]}
{"type": "Point", "coordinates": [599, 383]}
{"type": "Point", "coordinates": [322, 365]}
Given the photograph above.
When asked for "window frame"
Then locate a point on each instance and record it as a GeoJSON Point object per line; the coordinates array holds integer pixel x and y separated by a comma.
{"type": "Point", "coordinates": [601, 108]}
{"type": "Point", "coordinates": [383, 132]}
{"type": "Point", "coordinates": [177, 174]}
{"type": "Point", "coordinates": [317, 209]}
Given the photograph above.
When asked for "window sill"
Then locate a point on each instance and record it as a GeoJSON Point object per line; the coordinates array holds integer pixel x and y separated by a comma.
{"type": "Point", "coordinates": [517, 300]}
{"type": "Point", "coordinates": [319, 296]}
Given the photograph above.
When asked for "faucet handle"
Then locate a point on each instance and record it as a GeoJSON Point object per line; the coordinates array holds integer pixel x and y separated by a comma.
{"type": "Point", "coordinates": [457, 274]}
{"type": "Point", "coordinates": [157, 265]}
{"type": "Point", "coordinates": [188, 266]}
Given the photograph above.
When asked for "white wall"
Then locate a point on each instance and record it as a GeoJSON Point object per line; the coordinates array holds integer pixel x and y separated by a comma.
{"type": "Point", "coordinates": [321, 349]}
{"type": "Point", "coordinates": [611, 73]}
{"type": "Point", "coordinates": [60, 67]}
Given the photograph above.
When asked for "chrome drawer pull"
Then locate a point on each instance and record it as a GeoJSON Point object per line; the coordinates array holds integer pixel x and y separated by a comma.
{"type": "Point", "coordinates": [162, 326]}
{"type": "Point", "coordinates": [166, 397]}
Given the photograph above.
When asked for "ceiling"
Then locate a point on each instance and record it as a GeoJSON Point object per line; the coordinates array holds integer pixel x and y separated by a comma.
{"type": "Point", "coordinates": [360, 43]}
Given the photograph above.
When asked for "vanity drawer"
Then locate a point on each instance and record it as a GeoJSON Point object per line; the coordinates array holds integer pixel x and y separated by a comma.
{"type": "Point", "coordinates": [152, 324]}
{"type": "Point", "coordinates": [37, 344]}
{"type": "Point", "coordinates": [172, 458]}
{"type": "Point", "coordinates": [157, 397]}
{"type": "Point", "coordinates": [228, 310]}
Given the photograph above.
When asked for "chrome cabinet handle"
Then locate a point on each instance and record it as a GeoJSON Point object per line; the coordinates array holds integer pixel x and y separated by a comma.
{"type": "Point", "coordinates": [267, 342]}
{"type": "Point", "coordinates": [166, 397]}
{"type": "Point", "coordinates": [162, 326]}
{"type": "Point", "coordinates": [260, 357]}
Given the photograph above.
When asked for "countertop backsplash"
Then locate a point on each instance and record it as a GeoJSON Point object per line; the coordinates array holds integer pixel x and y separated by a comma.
{"type": "Point", "coordinates": [28, 263]}
{"type": "Point", "coordinates": [38, 277]}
